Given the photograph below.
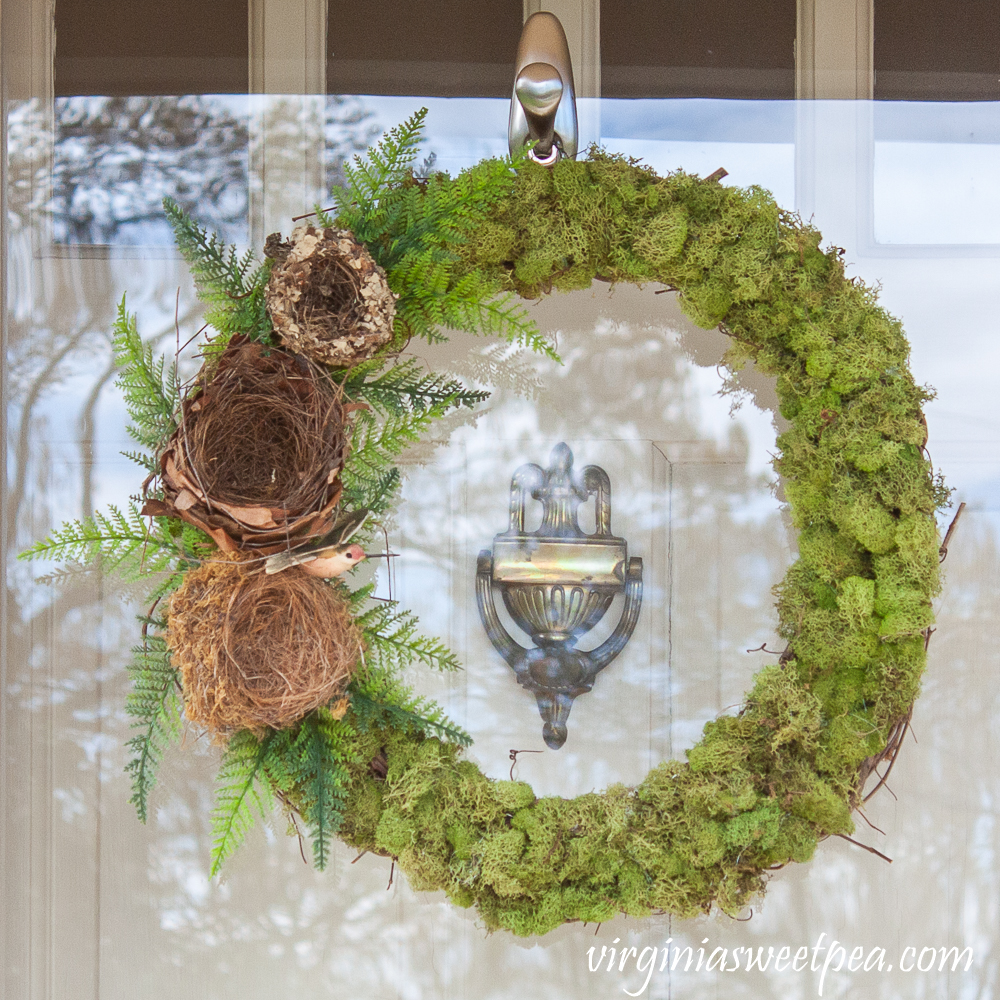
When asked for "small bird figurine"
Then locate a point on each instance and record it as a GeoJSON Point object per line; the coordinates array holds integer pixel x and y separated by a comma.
{"type": "Point", "coordinates": [328, 556]}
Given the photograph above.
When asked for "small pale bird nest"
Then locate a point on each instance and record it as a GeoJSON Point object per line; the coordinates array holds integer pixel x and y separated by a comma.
{"type": "Point", "coordinates": [327, 297]}
{"type": "Point", "coordinates": [257, 457]}
{"type": "Point", "coordinates": [257, 651]}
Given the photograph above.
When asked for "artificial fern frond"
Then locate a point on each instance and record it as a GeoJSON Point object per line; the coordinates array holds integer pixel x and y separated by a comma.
{"type": "Point", "coordinates": [374, 491]}
{"type": "Point", "coordinates": [413, 226]}
{"type": "Point", "coordinates": [392, 641]}
{"type": "Point", "coordinates": [388, 162]}
{"type": "Point", "coordinates": [375, 443]}
{"type": "Point", "coordinates": [469, 308]}
{"type": "Point", "coordinates": [117, 541]}
{"type": "Point", "coordinates": [380, 700]}
{"type": "Point", "coordinates": [193, 548]}
{"type": "Point", "coordinates": [154, 705]}
{"type": "Point", "coordinates": [194, 545]}
{"type": "Point", "coordinates": [404, 400]}
{"type": "Point", "coordinates": [408, 387]}
{"type": "Point", "coordinates": [168, 583]}
{"type": "Point", "coordinates": [377, 694]}
{"type": "Point", "coordinates": [243, 793]}
{"type": "Point", "coordinates": [431, 296]}
{"type": "Point", "coordinates": [357, 599]}
{"type": "Point", "coordinates": [151, 397]}
{"type": "Point", "coordinates": [369, 477]}
{"type": "Point", "coordinates": [216, 268]}
{"type": "Point", "coordinates": [146, 462]}
{"type": "Point", "coordinates": [441, 211]}
{"type": "Point", "coordinates": [230, 284]}
{"type": "Point", "coordinates": [370, 202]}
{"type": "Point", "coordinates": [307, 766]}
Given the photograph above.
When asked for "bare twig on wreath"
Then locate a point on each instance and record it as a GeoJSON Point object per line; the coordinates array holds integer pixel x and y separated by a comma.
{"type": "Point", "coordinates": [890, 753]}
{"type": "Point", "coordinates": [943, 551]}
{"type": "Point", "coordinates": [865, 847]}
{"type": "Point", "coordinates": [513, 758]}
{"type": "Point", "coordinates": [899, 729]}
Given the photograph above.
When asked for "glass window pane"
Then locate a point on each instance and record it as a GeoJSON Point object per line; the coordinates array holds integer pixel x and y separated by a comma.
{"type": "Point", "coordinates": [116, 158]}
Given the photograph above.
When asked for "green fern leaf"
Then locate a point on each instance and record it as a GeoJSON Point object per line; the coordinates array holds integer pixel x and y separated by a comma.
{"type": "Point", "coordinates": [408, 387]}
{"type": "Point", "coordinates": [119, 542]}
{"type": "Point", "coordinates": [371, 200]}
{"type": "Point", "coordinates": [377, 700]}
{"type": "Point", "coordinates": [431, 296]}
{"type": "Point", "coordinates": [393, 643]}
{"type": "Point", "coordinates": [376, 442]}
{"type": "Point", "coordinates": [242, 795]}
{"type": "Point", "coordinates": [373, 491]}
{"type": "Point", "coordinates": [154, 705]}
{"type": "Point", "coordinates": [315, 765]}
{"type": "Point", "coordinates": [441, 212]}
{"type": "Point", "coordinates": [232, 285]}
{"type": "Point", "coordinates": [369, 477]}
{"type": "Point", "coordinates": [140, 459]}
{"type": "Point", "coordinates": [151, 396]}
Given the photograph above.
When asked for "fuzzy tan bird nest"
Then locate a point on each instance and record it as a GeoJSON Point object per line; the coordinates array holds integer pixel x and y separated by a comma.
{"type": "Point", "coordinates": [327, 297]}
{"type": "Point", "coordinates": [258, 651]}
{"type": "Point", "coordinates": [257, 457]}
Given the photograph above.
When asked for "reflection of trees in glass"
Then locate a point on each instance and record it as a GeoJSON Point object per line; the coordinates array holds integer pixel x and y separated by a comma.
{"type": "Point", "coordinates": [349, 128]}
{"type": "Point", "coordinates": [116, 158]}
{"type": "Point", "coordinates": [111, 161]}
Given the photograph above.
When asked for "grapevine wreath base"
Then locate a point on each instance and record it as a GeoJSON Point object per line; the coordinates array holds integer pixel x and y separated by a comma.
{"type": "Point", "coordinates": [764, 785]}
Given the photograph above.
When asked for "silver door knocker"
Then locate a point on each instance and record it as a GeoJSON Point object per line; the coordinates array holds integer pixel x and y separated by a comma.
{"type": "Point", "coordinates": [557, 583]}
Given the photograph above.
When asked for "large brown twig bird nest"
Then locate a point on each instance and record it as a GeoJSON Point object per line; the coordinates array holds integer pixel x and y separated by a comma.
{"type": "Point", "coordinates": [327, 297]}
{"type": "Point", "coordinates": [257, 651]}
{"type": "Point", "coordinates": [256, 459]}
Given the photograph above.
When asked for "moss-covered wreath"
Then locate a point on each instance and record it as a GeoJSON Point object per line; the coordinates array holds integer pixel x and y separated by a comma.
{"type": "Point", "coordinates": [385, 772]}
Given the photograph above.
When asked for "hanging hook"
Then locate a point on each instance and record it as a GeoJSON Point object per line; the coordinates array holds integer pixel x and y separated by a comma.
{"type": "Point", "coordinates": [543, 105]}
